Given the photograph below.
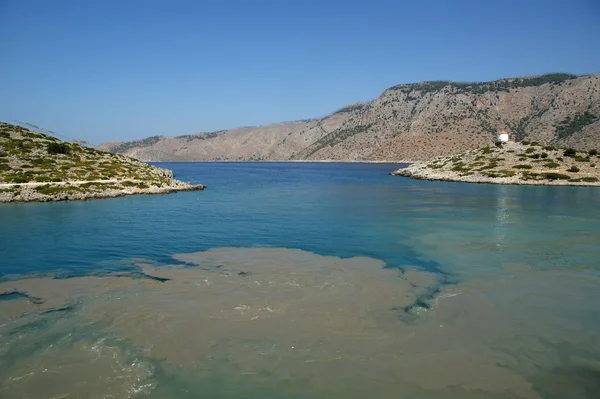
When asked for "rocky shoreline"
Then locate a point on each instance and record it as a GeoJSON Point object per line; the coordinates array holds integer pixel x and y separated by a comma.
{"type": "Point", "coordinates": [511, 163]}
{"type": "Point", "coordinates": [77, 191]}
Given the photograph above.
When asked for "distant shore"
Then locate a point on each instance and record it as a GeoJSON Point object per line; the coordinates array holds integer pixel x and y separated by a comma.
{"type": "Point", "coordinates": [285, 161]}
{"type": "Point", "coordinates": [512, 163]}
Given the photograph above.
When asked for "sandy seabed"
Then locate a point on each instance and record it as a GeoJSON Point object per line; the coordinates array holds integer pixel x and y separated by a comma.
{"type": "Point", "coordinates": [275, 322]}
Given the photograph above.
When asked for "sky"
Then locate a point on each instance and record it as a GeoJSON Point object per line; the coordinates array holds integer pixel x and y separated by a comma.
{"type": "Point", "coordinates": [104, 70]}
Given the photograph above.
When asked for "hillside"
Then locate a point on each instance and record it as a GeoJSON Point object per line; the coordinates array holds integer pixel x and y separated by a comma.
{"type": "Point", "coordinates": [38, 167]}
{"type": "Point", "coordinates": [513, 163]}
{"type": "Point", "coordinates": [407, 122]}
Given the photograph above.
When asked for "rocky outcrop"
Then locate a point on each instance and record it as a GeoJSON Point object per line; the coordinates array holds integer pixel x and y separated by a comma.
{"type": "Point", "coordinates": [407, 122]}
{"type": "Point", "coordinates": [512, 163]}
{"type": "Point", "coordinates": [37, 167]}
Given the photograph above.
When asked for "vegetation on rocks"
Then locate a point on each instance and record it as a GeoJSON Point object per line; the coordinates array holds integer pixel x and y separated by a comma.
{"type": "Point", "coordinates": [35, 166]}
{"type": "Point", "coordinates": [123, 147]}
{"type": "Point", "coordinates": [352, 108]}
{"type": "Point", "coordinates": [337, 136]}
{"type": "Point", "coordinates": [511, 163]}
{"type": "Point", "coordinates": [570, 126]}
{"type": "Point", "coordinates": [482, 87]}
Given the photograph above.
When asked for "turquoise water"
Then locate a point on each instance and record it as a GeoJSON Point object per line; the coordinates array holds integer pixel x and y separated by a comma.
{"type": "Point", "coordinates": [331, 209]}
{"type": "Point", "coordinates": [524, 261]}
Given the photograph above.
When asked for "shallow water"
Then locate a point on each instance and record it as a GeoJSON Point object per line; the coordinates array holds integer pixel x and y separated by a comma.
{"type": "Point", "coordinates": [309, 280]}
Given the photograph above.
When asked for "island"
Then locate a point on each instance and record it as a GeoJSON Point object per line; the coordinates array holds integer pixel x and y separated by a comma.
{"type": "Point", "coordinates": [512, 163]}
{"type": "Point", "coordinates": [40, 167]}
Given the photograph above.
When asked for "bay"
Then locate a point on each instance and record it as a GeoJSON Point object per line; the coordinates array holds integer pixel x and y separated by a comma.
{"type": "Point", "coordinates": [465, 290]}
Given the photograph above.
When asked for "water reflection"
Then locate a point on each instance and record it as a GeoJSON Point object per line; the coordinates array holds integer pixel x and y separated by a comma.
{"type": "Point", "coordinates": [502, 215]}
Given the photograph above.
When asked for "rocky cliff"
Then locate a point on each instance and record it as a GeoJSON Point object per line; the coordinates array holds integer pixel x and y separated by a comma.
{"type": "Point", "coordinates": [407, 122]}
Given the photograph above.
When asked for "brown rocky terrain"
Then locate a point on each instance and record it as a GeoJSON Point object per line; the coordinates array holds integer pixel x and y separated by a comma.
{"type": "Point", "coordinates": [407, 122]}
{"type": "Point", "coordinates": [38, 167]}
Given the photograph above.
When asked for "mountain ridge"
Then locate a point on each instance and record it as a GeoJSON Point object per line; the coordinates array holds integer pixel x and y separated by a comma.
{"type": "Point", "coordinates": [413, 121]}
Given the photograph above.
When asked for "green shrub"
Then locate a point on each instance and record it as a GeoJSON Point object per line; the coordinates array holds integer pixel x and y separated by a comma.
{"type": "Point", "coordinates": [17, 178]}
{"type": "Point", "coordinates": [498, 143]}
{"type": "Point", "coordinates": [50, 190]}
{"type": "Point", "coordinates": [529, 150]}
{"type": "Point", "coordinates": [555, 176]}
{"type": "Point", "coordinates": [593, 152]}
{"type": "Point", "coordinates": [42, 162]}
{"type": "Point", "coordinates": [570, 152]}
{"type": "Point", "coordinates": [534, 143]}
{"type": "Point", "coordinates": [589, 179]}
{"type": "Point", "coordinates": [491, 165]}
{"type": "Point", "coordinates": [551, 165]}
{"type": "Point", "coordinates": [486, 150]}
{"type": "Point", "coordinates": [582, 159]}
{"type": "Point", "coordinates": [535, 156]}
{"type": "Point", "coordinates": [522, 166]}
{"type": "Point", "coordinates": [550, 148]}
{"type": "Point", "coordinates": [544, 155]}
{"type": "Point", "coordinates": [58, 148]}
{"type": "Point", "coordinates": [17, 147]}
{"type": "Point", "coordinates": [525, 142]}
{"type": "Point", "coordinates": [460, 167]}
{"type": "Point", "coordinates": [530, 176]}
{"type": "Point", "coordinates": [573, 168]}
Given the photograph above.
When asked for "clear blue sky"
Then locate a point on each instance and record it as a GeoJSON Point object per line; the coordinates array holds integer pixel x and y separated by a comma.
{"type": "Point", "coordinates": [124, 69]}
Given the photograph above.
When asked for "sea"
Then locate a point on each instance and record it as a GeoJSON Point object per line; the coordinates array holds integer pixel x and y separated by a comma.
{"type": "Point", "coordinates": [304, 280]}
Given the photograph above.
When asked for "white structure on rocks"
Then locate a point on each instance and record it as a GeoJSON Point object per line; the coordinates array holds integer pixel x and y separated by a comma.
{"type": "Point", "coordinates": [503, 136]}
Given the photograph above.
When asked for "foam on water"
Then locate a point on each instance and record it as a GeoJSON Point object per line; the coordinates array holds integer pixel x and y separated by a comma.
{"type": "Point", "coordinates": [258, 322]}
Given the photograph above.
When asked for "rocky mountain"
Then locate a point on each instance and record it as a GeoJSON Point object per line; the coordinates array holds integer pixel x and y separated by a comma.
{"type": "Point", "coordinates": [407, 122]}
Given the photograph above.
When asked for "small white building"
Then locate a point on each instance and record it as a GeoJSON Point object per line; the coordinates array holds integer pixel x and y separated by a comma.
{"type": "Point", "coordinates": [503, 136]}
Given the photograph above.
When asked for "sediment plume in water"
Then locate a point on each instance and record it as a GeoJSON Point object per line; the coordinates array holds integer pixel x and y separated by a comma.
{"type": "Point", "coordinates": [288, 323]}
